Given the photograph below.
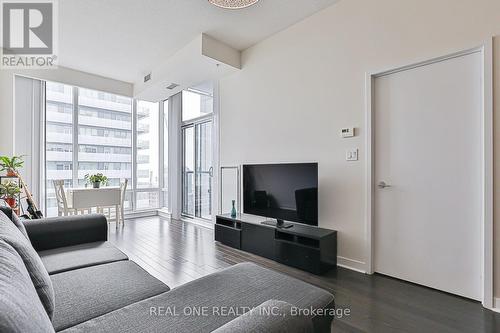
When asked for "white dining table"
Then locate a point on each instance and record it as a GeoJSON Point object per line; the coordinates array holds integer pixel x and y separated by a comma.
{"type": "Point", "coordinates": [87, 198]}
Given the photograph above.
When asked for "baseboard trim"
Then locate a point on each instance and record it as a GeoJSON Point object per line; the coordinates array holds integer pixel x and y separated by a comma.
{"type": "Point", "coordinates": [198, 222]}
{"type": "Point", "coordinates": [164, 214]}
{"type": "Point", "coordinates": [496, 304]}
{"type": "Point", "coordinates": [354, 265]}
{"type": "Point", "coordinates": [138, 214]}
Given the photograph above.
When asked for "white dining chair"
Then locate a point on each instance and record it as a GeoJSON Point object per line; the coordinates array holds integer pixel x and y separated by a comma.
{"type": "Point", "coordinates": [123, 192]}
{"type": "Point", "coordinates": [120, 212]}
{"type": "Point", "coordinates": [62, 204]}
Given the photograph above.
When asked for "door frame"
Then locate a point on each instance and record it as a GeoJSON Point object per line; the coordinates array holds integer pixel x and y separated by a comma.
{"type": "Point", "coordinates": [486, 161]}
{"type": "Point", "coordinates": [194, 124]}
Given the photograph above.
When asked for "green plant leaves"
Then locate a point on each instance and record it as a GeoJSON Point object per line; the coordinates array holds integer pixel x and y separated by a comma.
{"type": "Point", "coordinates": [14, 162]}
{"type": "Point", "coordinates": [9, 190]}
{"type": "Point", "coordinates": [97, 178]}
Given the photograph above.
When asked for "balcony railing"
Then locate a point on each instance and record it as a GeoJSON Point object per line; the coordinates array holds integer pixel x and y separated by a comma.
{"type": "Point", "coordinates": [105, 123]}
{"type": "Point", "coordinates": [59, 137]}
{"type": "Point", "coordinates": [59, 117]}
{"type": "Point", "coordinates": [142, 144]}
{"type": "Point", "coordinates": [121, 174]}
{"type": "Point", "coordinates": [56, 96]}
{"type": "Point", "coordinates": [59, 174]}
{"type": "Point", "coordinates": [105, 104]}
{"type": "Point", "coordinates": [142, 159]}
{"type": "Point", "coordinates": [104, 141]}
{"type": "Point", "coordinates": [103, 157]}
{"type": "Point", "coordinates": [59, 156]}
{"type": "Point", "coordinates": [143, 128]}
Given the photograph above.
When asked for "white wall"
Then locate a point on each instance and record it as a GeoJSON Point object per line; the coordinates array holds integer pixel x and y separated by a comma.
{"type": "Point", "coordinates": [63, 75]}
{"type": "Point", "coordinates": [300, 86]}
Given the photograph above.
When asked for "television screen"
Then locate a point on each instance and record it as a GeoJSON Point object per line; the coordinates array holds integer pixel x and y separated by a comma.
{"type": "Point", "coordinates": [282, 191]}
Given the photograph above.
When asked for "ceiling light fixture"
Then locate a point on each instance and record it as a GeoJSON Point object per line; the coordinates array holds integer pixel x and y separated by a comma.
{"type": "Point", "coordinates": [233, 4]}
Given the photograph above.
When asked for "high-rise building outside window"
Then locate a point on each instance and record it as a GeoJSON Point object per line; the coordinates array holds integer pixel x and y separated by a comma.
{"type": "Point", "coordinates": [197, 154]}
{"type": "Point", "coordinates": [148, 151]}
{"type": "Point", "coordinates": [89, 131]}
{"type": "Point", "coordinates": [59, 140]}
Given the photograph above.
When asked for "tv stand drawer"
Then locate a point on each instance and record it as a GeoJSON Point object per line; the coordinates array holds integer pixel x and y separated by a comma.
{"type": "Point", "coordinates": [228, 236]}
{"type": "Point", "coordinates": [299, 256]}
{"type": "Point", "coordinates": [258, 240]}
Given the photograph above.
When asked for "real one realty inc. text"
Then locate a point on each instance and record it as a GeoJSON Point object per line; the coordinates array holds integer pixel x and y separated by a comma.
{"type": "Point", "coordinates": [166, 311]}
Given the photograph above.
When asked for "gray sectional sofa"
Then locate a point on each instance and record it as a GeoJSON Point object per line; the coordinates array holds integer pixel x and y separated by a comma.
{"type": "Point", "coordinates": [62, 274]}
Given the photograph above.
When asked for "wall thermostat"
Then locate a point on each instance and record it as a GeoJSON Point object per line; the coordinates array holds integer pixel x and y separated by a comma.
{"type": "Point", "coordinates": [347, 132]}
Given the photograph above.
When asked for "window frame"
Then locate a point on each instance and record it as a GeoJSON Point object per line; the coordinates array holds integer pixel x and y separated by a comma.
{"type": "Point", "coordinates": [135, 190]}
{"type": "Point", "coordinates": [193, 122]}
{"type": "Point", "coordinates": [132, 188]}
{"type": "Point", "coordinates": [164, 114]}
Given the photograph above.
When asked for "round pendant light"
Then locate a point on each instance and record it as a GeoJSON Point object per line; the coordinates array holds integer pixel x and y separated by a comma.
{"type": "Point", "coordinates": [233, 4]}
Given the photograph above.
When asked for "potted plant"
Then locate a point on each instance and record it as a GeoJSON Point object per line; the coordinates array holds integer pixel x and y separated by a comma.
{"type": "Point", "coordinates": [9, 191]}
{"type": "Point", "coordinates": [11, 164]}
{"type": "Point", "coordinates": [96, 180]}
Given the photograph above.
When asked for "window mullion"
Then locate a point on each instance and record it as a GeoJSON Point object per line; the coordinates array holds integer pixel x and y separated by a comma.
{"type": "Point", "coordinates": [43, 157]}
{"type": "Point", "coordinates": [134, 154]}
{"type": "Point", "coordinates": [160, 152]}
{"type": "Point", "coordinates": [75, 138]}
{"type": "Point", "coordinates": [197, 196]}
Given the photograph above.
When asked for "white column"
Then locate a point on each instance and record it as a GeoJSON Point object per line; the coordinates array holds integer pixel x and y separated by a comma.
{"type": "Point", "coordinates": [174, 155]}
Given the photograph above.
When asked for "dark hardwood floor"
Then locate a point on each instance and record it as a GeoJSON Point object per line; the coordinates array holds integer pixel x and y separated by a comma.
{"type": "Point", "coordinates": [177, 252]}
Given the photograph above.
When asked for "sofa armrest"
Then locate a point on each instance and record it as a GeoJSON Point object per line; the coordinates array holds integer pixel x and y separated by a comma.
{"type": "Point", "coordinates": [270, 316]}
{"type": "Point", "coordinates": [51, 233]}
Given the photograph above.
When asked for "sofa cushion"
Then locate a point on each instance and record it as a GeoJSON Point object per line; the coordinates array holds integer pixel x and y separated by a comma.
{"type": "Point", "coordinates": [86, 293]}
{"type": "Point", "coordinates": [270, 316]}
{"type": "Point", "coordinates": [79, 256]}
{"type": "Point", "coordinates": [38, 274]}
{"type": "Point", "coordinates": [19, 224]}
{"type": "Point", "coordinates": [238, 288]}
{"type": "Point", "coordinates": [14, 218]}
{"type": "Point", "coordinates": [20, 307]}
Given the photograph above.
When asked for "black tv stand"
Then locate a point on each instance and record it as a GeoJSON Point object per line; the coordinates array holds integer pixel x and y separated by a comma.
{"type": "Point", "coordinates": [305, 247]}
{"type": "Point", "coordinates": [278, 224]}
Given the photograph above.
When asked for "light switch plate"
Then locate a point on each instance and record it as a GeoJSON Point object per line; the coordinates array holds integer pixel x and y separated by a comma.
{"type": "Point", "coordinates": [351, 154]}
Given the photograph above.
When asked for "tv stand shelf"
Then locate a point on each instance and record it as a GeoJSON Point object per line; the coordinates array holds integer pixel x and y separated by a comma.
{"type": "Point", "coordinates": [305, 247]}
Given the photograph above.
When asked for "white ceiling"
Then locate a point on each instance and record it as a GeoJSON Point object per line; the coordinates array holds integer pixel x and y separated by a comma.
{"type": "Point", "coordinates": [125, 39]}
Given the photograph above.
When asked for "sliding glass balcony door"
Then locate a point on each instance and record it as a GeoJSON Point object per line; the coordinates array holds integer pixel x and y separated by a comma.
{"type": "Point", "coordinates": [188, 184]}
{"type": "Point", "coordinates": [197, 170]}
{"type": "Point", "coordinates": [204, 170]}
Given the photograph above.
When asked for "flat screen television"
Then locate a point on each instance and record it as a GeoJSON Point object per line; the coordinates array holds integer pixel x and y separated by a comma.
{"type": "Point", "coordinates": [286, 192]}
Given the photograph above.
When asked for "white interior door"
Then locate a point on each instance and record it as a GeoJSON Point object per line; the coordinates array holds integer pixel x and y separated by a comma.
{"type": "Point", "coordinates": [427, 125]}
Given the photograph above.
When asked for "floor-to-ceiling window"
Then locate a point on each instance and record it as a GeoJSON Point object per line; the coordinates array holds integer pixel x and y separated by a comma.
{"type": "Point", "coordinates": [148, 150]}
{"type": "Point", "coordinates": [88, 132]}
{"type": "Point", "coordinates": [104, 137]}
{"type": "Point", "coordinates": [204, 169]}
{"type": "Point", "coordinates": [164, 144]}
{"type": "Point", "coordinates": [59, 140]}
{"type": "Point", "coordinates": [188, 185]}
{"type": "Point", "coordinates": [197, 156]}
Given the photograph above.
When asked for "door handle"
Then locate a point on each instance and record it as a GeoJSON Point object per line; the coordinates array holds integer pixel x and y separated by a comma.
{"type": "Point", "coordinates": [211, 171]}
{"type": "Point", "coordinates": [382, 184]}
